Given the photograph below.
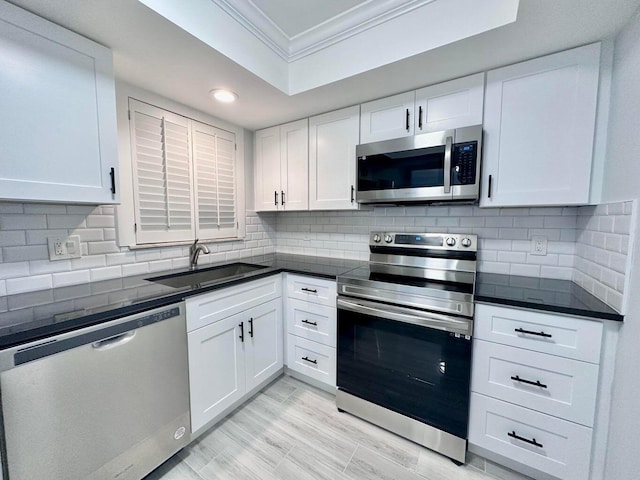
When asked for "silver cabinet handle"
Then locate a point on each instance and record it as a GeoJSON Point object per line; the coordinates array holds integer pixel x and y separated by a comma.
{"type": "Point", "coordinates": [113, 342]}
{"type": "Point", "coordinates": [447, 164]}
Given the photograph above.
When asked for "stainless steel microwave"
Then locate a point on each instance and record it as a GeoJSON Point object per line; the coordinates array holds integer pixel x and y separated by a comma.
{"type": "Point", "coordinates": [431, 167]}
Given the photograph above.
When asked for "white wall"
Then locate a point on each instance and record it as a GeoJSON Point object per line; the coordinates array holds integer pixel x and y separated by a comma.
{"type": "Point", "coordinates": [622, 182]}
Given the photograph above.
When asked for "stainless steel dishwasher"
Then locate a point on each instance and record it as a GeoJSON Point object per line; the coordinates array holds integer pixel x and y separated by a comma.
{"type": "Point", "coordinates": [109, 401]}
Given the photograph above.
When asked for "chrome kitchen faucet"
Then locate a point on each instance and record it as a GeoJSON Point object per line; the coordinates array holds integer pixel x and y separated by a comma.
{"type": "Point", "coordinates": [194, 252]}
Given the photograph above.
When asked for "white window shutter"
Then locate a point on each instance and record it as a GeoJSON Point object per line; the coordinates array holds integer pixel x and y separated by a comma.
{"type": "Point", "coordinates": [214, 159]}
{"type": "Point", "coordinates": [162, 175]}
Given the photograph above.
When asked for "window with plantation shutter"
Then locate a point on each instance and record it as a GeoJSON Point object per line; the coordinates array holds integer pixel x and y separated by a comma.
{"type": "Point", "coordinates": [184, 175]}
{"type": "Point", "coordinates": [215, 181]}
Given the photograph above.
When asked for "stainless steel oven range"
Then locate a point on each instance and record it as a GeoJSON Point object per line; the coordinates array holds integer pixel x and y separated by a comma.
{"type": "Point", "coordinates": [404, 337]}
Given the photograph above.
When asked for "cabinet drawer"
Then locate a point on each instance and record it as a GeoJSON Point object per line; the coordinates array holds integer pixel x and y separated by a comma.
{"type": "Point", "coordinates": [312, 359]}
{"type": "Point", "coordinates": [567, 388]}
{"type": "Point", "coordinates": [562, 448]}
{"type": "Point", "coordinates": [547, 333]}
{"type": "Point", "coordinates": [310, 289]}
{"type": "Point", "coordinates": [214, 306]}
{"type": "Point", "coordinates": [312, 321]}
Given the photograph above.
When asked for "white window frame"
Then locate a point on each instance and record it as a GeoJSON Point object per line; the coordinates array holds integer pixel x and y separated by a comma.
{"type": "Point", "coordinates": [126, 219]}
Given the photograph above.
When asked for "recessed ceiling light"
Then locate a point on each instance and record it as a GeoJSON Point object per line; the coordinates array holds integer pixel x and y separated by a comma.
{"type": "Point", "coordinates": [224, 96]}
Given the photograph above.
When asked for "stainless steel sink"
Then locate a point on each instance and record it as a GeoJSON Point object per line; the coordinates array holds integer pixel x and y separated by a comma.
{"type": "Point", "coordinates": [207, 275]}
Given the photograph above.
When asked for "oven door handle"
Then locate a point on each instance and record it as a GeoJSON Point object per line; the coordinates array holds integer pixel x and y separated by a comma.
{"type": "Point", "coordinates": [406, 315]}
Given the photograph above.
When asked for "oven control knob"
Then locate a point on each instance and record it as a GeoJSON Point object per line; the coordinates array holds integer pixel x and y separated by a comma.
{"type": "Point", "coordinates": [451, 241]}
{"type": "Point", "coordinates": [388, 238]}
{"type": "Point", "coordinates": [376, 238]}
{"type": "Point", "coordinates": [465, 242]}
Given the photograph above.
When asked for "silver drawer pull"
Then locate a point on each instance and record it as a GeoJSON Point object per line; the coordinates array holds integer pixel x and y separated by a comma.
{"type": "Point", "coordinates": [529, 332]}
{"type": "Point", "coordinates": [307, 359]}
{"type": "Point", "coordinates": [315, 324]}
{"type": "Point", "coordinates": [533, 442]}
{"type": "Point", "coordinates": [529, 382]}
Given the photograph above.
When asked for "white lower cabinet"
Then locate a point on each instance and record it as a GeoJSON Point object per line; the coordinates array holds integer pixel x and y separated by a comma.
{"type": "Point", "coordinates": [534, 390]}
{"type": "Point", "coordinates": [216, 370]}
{"type": "Point", "coordinates": [232, 354]}
{"type": "Point", "coordinates": [312, 359]}
{"type": "Point", "coordinates": [545, 443]}
{"type": "Point", "coordinates": [311, 318]}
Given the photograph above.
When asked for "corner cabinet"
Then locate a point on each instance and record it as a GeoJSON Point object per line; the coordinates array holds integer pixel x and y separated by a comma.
{"type": "Point", "coordinates": [333, 138]}
{"type": "Point", "coordinates": [539, 126]}
{"type": "Point", "coordinates": [282, 167]}
{"type": "Point", "coordinates": [234, 338]}
{"type": "Point", "coordinates": [59, 140]}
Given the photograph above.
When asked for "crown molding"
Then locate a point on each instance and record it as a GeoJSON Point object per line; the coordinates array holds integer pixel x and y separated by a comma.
{"type": "Point", "coordinates": [332, 31]}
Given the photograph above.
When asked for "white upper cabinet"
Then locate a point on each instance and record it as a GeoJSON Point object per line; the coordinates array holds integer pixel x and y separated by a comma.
{"type": "Point", "coordinates": [539, 124]}
{"type": "Point", "coordinates": [282, 167]}
{"type": "Point", "coordinates": [332, 159]}
{"type": "Point", "coordinates": [58, 142]}
{"type": "Point", "coordinates": [453, 104]}
{"type": "Point", "coordinates": [390, 117]}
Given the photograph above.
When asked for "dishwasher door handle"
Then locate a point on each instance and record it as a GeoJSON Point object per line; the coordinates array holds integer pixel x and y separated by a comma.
{"type": "Point", "coordinates": [114, 341]}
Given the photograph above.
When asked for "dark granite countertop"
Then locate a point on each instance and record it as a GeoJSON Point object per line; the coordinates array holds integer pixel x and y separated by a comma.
{"type": "Point", "coordinates": [545, 294]}
{"type": "Point", "coordinates": [35, 315]}
{"type": "Point", "coordinates": [29, 316]}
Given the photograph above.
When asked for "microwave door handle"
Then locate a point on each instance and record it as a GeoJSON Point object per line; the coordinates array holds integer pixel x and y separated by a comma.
{"type": "Point", "coordinates": [447, 164]}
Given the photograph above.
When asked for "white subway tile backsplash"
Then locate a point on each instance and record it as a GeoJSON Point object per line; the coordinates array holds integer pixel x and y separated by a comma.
{"type": "Point", "coordinates": [575, 240]}
{"type": "Point", "coordinates": [22, 222]}
{"type": "Point", "coordinates": [28, 284]}
{"type": "Point", "coordinates": [106, 273]}
{"type": "Point", "coordinates": [12, 238]}
{"type": "Point", "coordinates": [66, 221]}
{"type": "Point", "coordinates": [71, 278]}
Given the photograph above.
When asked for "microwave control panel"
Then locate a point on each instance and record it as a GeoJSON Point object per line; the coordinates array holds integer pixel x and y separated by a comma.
{"type": "Point", "coordinates": [464, 163]}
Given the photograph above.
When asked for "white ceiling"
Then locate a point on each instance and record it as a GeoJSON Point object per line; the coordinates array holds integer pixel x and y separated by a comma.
{"type": "Point", "coordinates": [153, 53]}
{"type": "Point", "coordinates": [294, 17]}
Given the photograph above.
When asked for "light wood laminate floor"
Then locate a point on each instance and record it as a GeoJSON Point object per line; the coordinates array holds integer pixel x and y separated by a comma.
{"type": "Point", "coordinates": [292, 431]}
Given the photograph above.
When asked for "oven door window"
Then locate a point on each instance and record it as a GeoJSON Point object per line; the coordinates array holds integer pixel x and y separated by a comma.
{"type": "Point", "coordinates": [398, 170]}
{"type": "Point", "coordinates": [416, 371]}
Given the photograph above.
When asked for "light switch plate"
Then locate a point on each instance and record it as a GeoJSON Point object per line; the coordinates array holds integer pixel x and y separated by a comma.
{"type": "Point", "coordinates": [61, 248]}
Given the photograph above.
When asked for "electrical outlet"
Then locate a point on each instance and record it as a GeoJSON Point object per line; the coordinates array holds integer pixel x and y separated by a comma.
{"type": "Point", "coordinates": [538, 245]}
{"type": "Point", "coordinates": [62, 248]}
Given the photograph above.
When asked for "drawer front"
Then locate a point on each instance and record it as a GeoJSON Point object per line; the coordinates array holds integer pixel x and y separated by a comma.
{"type": "Point", "coordinates": [561, 387]}
{"type": "Point", "coordinates": [312, 321]}
{"type": "Point", "coordinates": [555, 334]}
{"type": "Point", "coordinates": [214, 306]}
{"type": "Point", "coordinates": [561, 448]}
{"type": "Point", "coordinates": [312, 359]}
{"type": "Point", "coordinates": [310, 289]}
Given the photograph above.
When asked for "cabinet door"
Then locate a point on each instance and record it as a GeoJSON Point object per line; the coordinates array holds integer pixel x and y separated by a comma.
{"type": "Point", "coordinates": [267, 169]}
{"type": "Point", "coordinates": [264, 338]}
{"type": "Point", "coordinates": [448, 105]}
{"type": "Point", "coordinates": [57, 107]}
{"type": "Point", "coordinates": [216, 369]}
{"type": "Point", "coordinates": [332, 160]}
{"type": "Point", "coordinates": [294, 161]}
{"type": "Point", "coordinates": [539, 123]}
{"type": "Point", "coordinates": [390, 117]}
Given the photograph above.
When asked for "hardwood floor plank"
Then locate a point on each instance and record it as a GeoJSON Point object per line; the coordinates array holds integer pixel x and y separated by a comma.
{"type": "Point", "coordinates": [368, 465]}
{"type": "Point", "coordinates": [317, 409]}
{"type": "Point", "coordinates": [434, 466]}
{"type": "Point", "coordinates": [173, 469]}
{"type": "Point", "coordinates": [279, 390]}
{"type": "Point", "coordinates": [333, 448]}
{"type": "Point", "coordinates": [294, 469]}
{"type": "Point", "coordinates": [293, 431]}
{"type": "Point", "coordinates": [269, 454]}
